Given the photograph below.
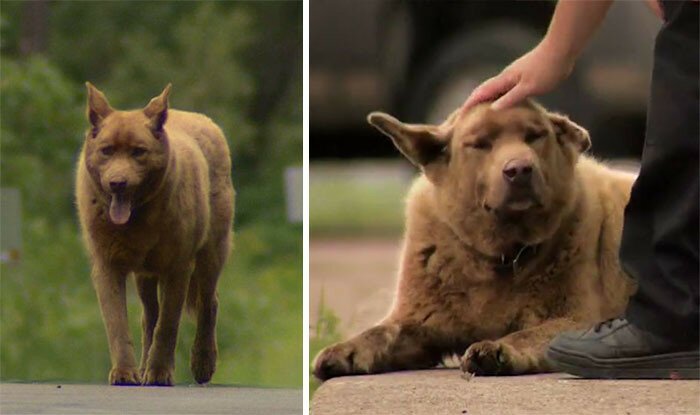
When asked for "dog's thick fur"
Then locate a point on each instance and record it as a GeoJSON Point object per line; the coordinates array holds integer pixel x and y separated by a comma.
{"type": "Point", "coordinates": [488, 271]}
{"type": "Point", "coordinates": [155, 199]}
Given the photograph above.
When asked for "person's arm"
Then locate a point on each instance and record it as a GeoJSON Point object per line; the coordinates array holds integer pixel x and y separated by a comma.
{"type": "Point", "coordinates": [551, 61]}
{"type": "Point", "coordinates": [574, 23]}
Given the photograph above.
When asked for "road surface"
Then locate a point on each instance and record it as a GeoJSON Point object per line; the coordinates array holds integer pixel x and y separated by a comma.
{"type": "Point", "coordinates": [22, 398]}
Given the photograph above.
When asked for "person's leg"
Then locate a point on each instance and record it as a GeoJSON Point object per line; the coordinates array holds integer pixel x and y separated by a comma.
{"type": "Point", "coordinates": [659, 337]}
{"type": "Point", "coordinates": [660, 237]}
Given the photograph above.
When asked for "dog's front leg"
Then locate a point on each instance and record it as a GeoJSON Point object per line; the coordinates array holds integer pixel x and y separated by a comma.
{"type": "Point", "coordinates": [383, 348]}
{"type": "Point", "coordinates": [147, 287]}
{"type": "Point", "coordinates": [518, 353]}
{"type": "Point", "coordinates": [110, 286]}
{"type": "Point", "coordinates": [161, 357]}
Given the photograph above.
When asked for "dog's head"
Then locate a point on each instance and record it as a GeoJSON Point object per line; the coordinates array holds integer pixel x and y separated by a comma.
{"type": "Point", "coordinates": [126, 152]}
{"type": "Point", "coordinates": [500, 177]}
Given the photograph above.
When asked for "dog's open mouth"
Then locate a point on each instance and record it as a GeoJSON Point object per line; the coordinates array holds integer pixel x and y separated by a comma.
{"type": "Point", "coordinates": [519, 204]}
{"type": "Point", "coordinates": [520, 199]}
{"type": "Point", "coordinates": [515, 207]}
{"type": "Point", "coordinates": [120, 209]}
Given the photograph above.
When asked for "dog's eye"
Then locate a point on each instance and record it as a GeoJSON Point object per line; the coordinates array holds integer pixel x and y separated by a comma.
{"type": "Point", "coordinates": [479, 145]}
{"type": "Point", "coordinates": [533, 135]}
{"type": "Point", "coordinates": [138, 151]}
{"type": "Point", "coordinates": [107, 151]}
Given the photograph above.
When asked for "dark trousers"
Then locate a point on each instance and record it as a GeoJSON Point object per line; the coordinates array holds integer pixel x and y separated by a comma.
{"type": "Point", "coordinates": [660, 236]}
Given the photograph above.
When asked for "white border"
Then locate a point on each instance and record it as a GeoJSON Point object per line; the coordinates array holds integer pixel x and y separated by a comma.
{"type": "Point", "coordinates": [305, 83]}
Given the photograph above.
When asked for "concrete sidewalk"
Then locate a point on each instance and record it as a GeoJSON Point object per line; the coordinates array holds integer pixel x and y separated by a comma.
{"type": "Point", "coordinates": [443, 391]}
{"type": "Point", "coordinates": [17, 398]}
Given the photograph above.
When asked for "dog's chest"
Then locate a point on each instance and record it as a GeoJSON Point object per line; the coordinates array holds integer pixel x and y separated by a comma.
{"type": "Point", "coordinates": [146, 244]}
{"type": "Point", "coordinates": [473, 297]}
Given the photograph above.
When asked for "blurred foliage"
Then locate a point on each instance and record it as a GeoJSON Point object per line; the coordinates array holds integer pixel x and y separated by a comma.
{"type": "Point", "coordinates": [49, 310]}
{"type": "Point", "coordinates": [237, 62]}
{"type": "Point", "coordinates": [41, 120]}
{"type": "Point", "coordinates": [373, 191]}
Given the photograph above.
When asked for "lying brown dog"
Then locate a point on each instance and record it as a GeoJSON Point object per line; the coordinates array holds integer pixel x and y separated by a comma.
{"type": "Point", "coordinates": [511, 237]}
{"type": "Point", "coordinates": [155, 199]}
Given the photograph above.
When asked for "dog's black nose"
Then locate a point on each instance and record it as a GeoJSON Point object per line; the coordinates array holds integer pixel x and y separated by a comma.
{"type": "Point", "coordinates": [118, 186]}
{"type": "Point", "coordinates": [518, 171]}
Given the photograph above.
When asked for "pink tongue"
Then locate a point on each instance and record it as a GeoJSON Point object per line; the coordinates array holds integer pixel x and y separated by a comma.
{"type": "Point", "coordinates": [119, 210]}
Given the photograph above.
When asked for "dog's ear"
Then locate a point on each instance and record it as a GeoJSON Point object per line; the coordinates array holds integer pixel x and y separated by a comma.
{"type": "Point", "coordinates": [568, 131]}
{"type": "Point", "coordinates": [157, 111]}
{"type": "Point", "coordinates": [98, 107]}
{"type": "Point", "coordinates": [426, 146]}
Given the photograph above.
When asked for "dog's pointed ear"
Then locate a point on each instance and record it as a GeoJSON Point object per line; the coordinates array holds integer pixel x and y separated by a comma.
{"type": "Point", "coordinates": [98, 107]}
{"type": "Point", "coordinates": [568, 131]}
{"type": "Point", "coordinates": [426, 146]}
{"type": "Point", "coordinates": [157, 111]}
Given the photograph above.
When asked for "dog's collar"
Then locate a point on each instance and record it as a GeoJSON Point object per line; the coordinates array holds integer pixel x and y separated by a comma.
{"type": "Point", "coordinates": [508, 264]}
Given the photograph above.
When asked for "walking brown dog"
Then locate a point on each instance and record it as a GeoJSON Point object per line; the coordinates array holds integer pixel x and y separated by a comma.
{"type": "Point", "coordinates": [511, 237]}
{"type": "Point", "coordinates": [155, 199]}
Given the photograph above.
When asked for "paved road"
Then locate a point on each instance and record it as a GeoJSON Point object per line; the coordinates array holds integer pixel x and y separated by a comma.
{"type": "Point", "coordinates": [445, 392]}
{"type": "Point", "coordinates": [101, 399]}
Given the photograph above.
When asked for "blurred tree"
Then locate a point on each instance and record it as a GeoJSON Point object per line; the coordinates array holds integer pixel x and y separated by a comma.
{"type": "Point", "coordinates": [280, 42]}
{"type": "Point", "coordinates": [40, 131]}
{"type": "Point", "coordinates": [34, 27]}
{"type": "Point", "coordinates": [239, 63]}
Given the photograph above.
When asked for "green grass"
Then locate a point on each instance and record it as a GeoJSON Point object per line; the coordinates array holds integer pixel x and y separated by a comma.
{"type": "Point", "coordinates": [325, 333]}
{"type": "Point", "coordinates": [52, 330]}
{"type": "Point", "coordinates": [357, 198]}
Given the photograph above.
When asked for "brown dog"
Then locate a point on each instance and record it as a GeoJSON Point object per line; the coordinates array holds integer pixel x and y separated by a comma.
{"type": "Point", "coordinates": [155, 199]}
{"type": "Point", "coordinates": [511, 237]}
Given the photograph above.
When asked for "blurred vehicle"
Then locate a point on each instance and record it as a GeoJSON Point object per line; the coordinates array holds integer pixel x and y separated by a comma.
{"type": "Point", "coordinates": [420, 59]}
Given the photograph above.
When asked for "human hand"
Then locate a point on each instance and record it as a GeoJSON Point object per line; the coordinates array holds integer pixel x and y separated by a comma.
{"type": "Point", "coordinates": [537, 72]}
{"type": "Point", "coordinates": [656, 8]}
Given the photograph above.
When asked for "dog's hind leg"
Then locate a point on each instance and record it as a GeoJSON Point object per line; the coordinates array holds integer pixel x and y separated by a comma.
{"type": "Point", "coordinates": [147, 288]}
{"type": "Point", "coordinates": [210, 261]}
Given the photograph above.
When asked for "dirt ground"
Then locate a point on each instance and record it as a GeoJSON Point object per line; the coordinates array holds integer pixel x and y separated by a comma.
{"type": "Point", "coordinates": [355, 277]}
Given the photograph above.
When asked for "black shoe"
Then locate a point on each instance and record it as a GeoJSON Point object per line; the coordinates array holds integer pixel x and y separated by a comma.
{"type": "Point", "coordinates": [617, 349]}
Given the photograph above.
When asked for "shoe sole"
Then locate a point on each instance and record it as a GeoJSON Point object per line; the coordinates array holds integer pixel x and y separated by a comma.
{"type": "Point", "coordinates": [681, 365]}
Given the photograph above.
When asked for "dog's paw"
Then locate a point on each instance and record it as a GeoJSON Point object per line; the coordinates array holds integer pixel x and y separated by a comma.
{"type": "Point", "coordinates": [333, 361]}
{"type": "Point", "coordinates": [487, 358]}
{"type": "Point", "coordinates": [340, 360]}
{"type": "Point", "coordinates": [124, 376]}
{"type": "Point", "coordinates": [203, 364]}
{"type": "Point", "coordinates": [158, 377]}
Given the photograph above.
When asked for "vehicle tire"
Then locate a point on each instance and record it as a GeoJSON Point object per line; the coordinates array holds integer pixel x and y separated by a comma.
{"type": "Point", "coordinates": [447, 78]}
